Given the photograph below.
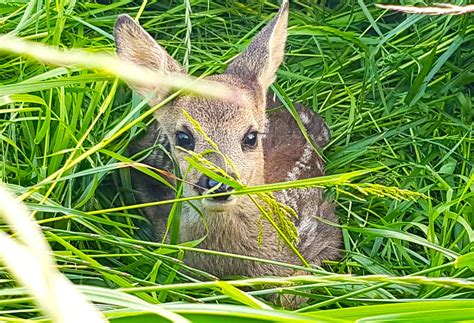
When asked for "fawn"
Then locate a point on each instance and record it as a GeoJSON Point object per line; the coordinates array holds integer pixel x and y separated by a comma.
{"type": "Point", "coordinates": [264, 147]}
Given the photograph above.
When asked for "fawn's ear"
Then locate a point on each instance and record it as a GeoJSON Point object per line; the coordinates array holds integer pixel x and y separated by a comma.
{"type": "Point", "coordinates": [261, 59]}
{"type": "Point", "coordinates": [135, 45]}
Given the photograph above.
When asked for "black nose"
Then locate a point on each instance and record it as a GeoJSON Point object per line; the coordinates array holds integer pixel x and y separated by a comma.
{"type": "Point", "coordinates": [206, 183]}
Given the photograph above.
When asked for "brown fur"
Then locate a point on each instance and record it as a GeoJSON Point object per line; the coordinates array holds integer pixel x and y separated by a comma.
{"type": "Point", "coordinates": [282, 154]}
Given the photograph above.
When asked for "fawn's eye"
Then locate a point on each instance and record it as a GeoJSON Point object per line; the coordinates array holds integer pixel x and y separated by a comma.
{"type": "Point", "coordinates": [250, 140]}
{"type": "Point", "coordinates": [184, 140]}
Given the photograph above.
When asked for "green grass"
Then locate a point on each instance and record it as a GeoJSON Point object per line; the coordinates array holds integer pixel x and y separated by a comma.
{"type": "Point", "coordinates": [395, 89]}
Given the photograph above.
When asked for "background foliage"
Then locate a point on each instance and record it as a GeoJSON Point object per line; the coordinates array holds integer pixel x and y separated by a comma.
{"type": "Point", "coordinates": [395, 89]}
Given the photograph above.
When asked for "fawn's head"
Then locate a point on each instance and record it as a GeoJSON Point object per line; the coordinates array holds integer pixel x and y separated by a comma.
{"type": "Point", "coordinates": [236, 126]}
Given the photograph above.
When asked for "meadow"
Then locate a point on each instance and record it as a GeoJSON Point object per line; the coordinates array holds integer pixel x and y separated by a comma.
{"type": "Point", "coordinates": [395, 90]}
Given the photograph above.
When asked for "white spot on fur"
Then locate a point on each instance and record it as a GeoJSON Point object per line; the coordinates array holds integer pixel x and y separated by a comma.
{"type": "Point", "coordinates": [304, 118]}
{"type": "Point", "coordinates": [308, 223]}
{"type": "Point", "coordinates": [323, 136]}
{"type": "Point", "coordinates": [301, 165]}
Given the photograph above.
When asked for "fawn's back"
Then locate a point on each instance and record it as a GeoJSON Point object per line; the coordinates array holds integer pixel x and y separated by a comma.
{"type": "Point", "coordinates": [258, 148]}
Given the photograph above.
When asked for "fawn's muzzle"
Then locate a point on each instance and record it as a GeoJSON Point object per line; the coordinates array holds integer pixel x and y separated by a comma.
{"type": "Point", "coordinates": [205, 183]}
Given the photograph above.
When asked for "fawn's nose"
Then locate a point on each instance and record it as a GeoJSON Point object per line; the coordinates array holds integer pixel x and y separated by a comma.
{"type": "Point", "coordinates": [206, 183]}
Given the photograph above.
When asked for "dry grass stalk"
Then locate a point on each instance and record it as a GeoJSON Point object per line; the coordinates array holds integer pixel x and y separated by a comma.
{"type": "Point", "coordinates": [437, 9]}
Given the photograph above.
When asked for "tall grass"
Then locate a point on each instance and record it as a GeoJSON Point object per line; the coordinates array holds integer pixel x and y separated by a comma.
{"type": "Point", "coordinates": [395, 89]}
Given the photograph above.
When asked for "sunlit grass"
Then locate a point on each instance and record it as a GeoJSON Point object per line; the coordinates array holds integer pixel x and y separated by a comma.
{"type": "Point", "coordinates": [395, 90]}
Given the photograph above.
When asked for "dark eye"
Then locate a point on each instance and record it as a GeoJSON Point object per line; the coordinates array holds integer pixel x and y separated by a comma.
{"type": "Point", "coordinates": [250, 140]}
{"type": "Point", "coordinates": [184, 140]}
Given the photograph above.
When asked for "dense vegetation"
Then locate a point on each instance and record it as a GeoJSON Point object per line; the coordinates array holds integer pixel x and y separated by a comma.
{"type": "Point", "coordinates": [395, 89]}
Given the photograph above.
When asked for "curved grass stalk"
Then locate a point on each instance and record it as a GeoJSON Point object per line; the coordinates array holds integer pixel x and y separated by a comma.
{"type": "Point", "coordinates": [438, 9]}
{"type": "Point", "coordinates": [312, 279]}
{"type": "Point", "coordinates": [30, 261]}
{"type": "Point", "coordinates": [126, 71]}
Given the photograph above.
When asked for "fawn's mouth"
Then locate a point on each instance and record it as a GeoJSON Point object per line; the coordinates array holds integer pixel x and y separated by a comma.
{"type": "Point", "coordinates": [223, 199]}
{"type": "Point", "coordinates": [219, 203]}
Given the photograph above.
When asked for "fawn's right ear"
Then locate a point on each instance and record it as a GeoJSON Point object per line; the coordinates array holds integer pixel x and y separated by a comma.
{"type": "Point", "coordinates": [135, 45]}
{"type": "Point", "coordinates": [261, 59]}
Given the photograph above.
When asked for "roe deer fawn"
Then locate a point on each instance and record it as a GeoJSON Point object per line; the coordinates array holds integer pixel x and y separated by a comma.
{"type": "Point", "coordinates": [265, 148]}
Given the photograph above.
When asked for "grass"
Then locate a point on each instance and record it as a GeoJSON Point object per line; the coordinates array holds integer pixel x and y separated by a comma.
{"type": "Point", "coordinates": [395, 89]}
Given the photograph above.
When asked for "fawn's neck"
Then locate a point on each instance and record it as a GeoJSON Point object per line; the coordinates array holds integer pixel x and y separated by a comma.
{"type": "Point", "coordinates": [238, 224]}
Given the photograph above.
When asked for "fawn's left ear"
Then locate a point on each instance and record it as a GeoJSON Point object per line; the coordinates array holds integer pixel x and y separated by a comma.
{"type": "Point", "coordinates": [261, 59]}
{"type": "Point", "coordinates": [135, 45]}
